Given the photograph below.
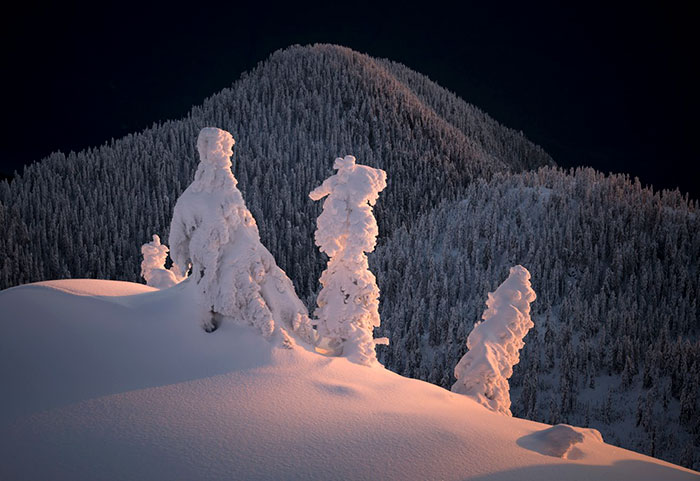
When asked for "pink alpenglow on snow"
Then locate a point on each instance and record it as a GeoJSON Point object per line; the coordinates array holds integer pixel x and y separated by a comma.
{"type": "Point", "coordinates": [348, 304]}
{"type": "Point", "coordinates": [153, 265]}
{"type": "Point", "coordinates": [494, 344]}
{"type": "Point", "coordinates": [112, 381]}
{"type": "Point", "coordinates": [560, 441]}
{"type": "Point", "coordinates": [214, 233]}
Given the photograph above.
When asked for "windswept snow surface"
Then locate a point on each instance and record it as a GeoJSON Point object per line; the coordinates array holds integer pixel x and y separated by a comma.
{"type": "Point", "coordinates": [110, 380]}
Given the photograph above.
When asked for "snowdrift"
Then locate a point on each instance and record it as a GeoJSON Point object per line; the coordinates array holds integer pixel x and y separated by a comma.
{"type": "Point", "coordinates": [112, 380]}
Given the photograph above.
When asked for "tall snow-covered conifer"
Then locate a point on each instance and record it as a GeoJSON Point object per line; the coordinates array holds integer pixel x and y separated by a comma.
{"type": "Point", "coordinates": [213, 232]}
{"type": "Point", "coordinates": [348, 304]}
{"type": "Point", "coordinates": [494, 344]}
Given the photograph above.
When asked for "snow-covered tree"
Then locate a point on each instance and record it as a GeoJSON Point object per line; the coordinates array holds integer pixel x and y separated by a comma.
{"type": "Point", "coordinates": [595, 241]}
{"type": "Point", "coordinates": [494, 343]}
{"type": "Point", "coordinates": [348, 304]}
{"type": "Point", "coordinates": [213, 232]}
{"type": "Point", "coordinates": [153, 265]}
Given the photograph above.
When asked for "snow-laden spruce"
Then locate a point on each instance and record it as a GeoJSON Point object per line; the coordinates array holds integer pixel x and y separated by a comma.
{"type": "Point", "coordinates": [348, 304]}
{"type": "Point", "coordinates": [213, 232]}
{"type": "Point", "coordinates": [153, 265]}
{"type": "Point", "coordinates": [494, 344]}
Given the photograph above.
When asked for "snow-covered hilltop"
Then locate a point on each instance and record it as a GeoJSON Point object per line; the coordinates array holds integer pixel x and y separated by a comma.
{"type": "Point", "coordinates": [124, 385]}
{"type": "Point", "coordinates": [204, 378]}
{"type": "Point", "coordinates": [615, 344]}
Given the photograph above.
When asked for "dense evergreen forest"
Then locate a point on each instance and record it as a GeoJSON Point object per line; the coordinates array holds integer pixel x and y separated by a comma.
{"type": "Point", "coordinates": [615, 266]}
{"type": "Point", "coordinates": [86, 214]}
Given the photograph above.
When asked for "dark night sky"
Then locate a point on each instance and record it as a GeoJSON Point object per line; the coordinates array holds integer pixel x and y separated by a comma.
{"type": "Point", "coordinates": [609, 87]}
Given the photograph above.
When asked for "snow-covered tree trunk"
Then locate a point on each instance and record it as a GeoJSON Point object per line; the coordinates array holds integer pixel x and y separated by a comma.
{"type": "Point", "coordinates": [494, 344]}
{"type": "Point", "coordinates": [348, 304]}
{"type": "Point", "coordinates": [153, 265]}
{"type": "Point", "coordinates": [213, 232]}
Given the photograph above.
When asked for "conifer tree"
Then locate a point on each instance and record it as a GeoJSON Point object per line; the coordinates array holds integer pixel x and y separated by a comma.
{"type": "Point", "coordinates": [348, 304]}
{"type": "Point", "coordinates": [494, 343]}
{"type": "Point", "coordinates": [212, 231]}
{"type": "Point", "coordinates": [153, 265]}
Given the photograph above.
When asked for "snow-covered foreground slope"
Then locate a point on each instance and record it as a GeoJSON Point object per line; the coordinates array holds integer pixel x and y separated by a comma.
{"type": "Point", "coordinates": [110, 380]}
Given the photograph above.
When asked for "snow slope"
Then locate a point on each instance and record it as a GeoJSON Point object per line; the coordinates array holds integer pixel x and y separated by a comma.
{"type": "Point", "coordinates": [111, 380]}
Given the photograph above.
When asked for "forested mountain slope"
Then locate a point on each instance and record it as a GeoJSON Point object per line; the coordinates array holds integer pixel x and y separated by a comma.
{"type": "Point", "coordinates": [86, 214]}
{"type": "Point", "coordinates": [616, 272]}
{"type": "Point", "coordinates": [615, 266]}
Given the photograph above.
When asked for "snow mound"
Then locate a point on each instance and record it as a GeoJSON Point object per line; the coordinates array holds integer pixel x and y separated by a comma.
{"type": "Point", "coordinates": [126, 386]}
{"type": "Point", "coordinates": [66, 341]}
{"type": "Point", "coordinates": [93, 287]}
{"type": "Point", "coordinates": [560, 441]}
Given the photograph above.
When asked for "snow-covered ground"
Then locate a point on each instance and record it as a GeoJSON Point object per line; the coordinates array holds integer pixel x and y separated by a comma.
{"type": "Point", "coordinates": [112, 380]}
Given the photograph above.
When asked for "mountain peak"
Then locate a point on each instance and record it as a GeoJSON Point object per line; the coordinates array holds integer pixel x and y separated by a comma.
{"type": "Point", "coordinates": [293, 114]}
